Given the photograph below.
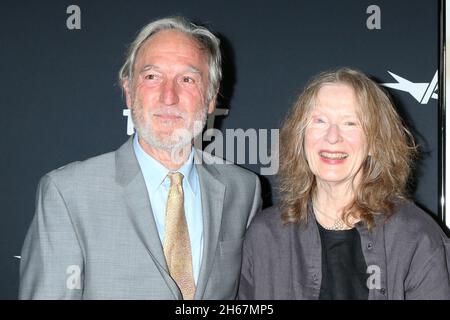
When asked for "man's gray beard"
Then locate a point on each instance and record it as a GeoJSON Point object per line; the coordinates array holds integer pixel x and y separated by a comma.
{"type": "Point", "coordinates": [178, 139]}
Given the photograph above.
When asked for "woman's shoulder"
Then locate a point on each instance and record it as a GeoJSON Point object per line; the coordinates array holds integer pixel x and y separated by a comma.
{"type": "Point", "coordinates": [269, 217]}
{"type": "Point", "coordinates": [266, 222]}
{"type": "Point", "coordinates": [410, 221]}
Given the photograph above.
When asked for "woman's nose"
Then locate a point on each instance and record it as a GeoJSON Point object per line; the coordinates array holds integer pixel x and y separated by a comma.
{"type": "Point", "coordinates": [333, 134]}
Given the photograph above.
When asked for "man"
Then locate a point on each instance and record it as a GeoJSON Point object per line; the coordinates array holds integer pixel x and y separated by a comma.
{"type": "Point", "coordinates": [156, 219]}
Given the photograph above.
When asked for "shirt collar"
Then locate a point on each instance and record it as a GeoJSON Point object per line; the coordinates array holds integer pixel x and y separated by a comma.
{"type": "Point", "coordinates": [155, 173]}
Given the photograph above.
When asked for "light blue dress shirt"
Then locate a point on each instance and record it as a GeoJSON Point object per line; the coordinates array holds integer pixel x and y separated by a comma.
{"type": "Point", "coordinates": [158, 184]}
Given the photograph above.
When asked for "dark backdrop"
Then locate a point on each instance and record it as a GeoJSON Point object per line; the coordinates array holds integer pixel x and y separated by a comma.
{"type": "Point", "coordinates": [60, 101]}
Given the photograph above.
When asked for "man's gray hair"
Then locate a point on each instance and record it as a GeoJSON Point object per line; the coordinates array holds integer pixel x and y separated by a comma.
{"type": "Point", "coordinates": [207, 41]}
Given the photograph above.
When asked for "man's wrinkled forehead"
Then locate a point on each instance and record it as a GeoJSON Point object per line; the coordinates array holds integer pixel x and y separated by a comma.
{"type": "Point", "coordinates": [150, 67]}
{"type": "Point", "coordinates": [163, 37]}
{"type": "Point", "coordinates": [169, 43]}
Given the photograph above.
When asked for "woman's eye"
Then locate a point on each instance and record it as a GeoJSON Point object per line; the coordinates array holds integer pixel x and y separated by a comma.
{"type": "Point", "coordinates": [351, 123]}
{"type": "Point", "coordinates": [319, 120]}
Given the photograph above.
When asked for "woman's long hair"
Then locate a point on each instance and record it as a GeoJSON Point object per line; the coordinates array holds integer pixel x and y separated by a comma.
{"type": "Point", "coordinates": [385, 171]}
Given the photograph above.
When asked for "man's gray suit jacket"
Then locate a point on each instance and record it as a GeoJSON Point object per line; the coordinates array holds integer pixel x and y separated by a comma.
{"type": "Point", "coordinates": [93, 235]}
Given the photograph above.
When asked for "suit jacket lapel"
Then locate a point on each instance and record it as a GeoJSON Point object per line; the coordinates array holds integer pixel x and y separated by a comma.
{"type": "Point", "coordinates": [212, 196]}
{"type": "Point", "coordinates": [129, 175]}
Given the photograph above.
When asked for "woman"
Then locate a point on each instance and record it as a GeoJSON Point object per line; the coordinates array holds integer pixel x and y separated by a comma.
{"type": "Point", "coordinates": [344, 228]}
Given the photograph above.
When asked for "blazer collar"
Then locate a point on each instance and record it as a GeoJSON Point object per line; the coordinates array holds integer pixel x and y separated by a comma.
{"type": "Point", "coordinates": [129, 176]}
{"type": "Point", "coordinates": [212, 195]}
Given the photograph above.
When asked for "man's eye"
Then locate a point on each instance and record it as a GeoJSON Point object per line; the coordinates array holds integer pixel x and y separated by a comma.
{"type": "Point", "coordinates": [187, 80]}
{"type": "Point", "coordinates": [150, 76]}
{"type": "Point", "coordinates": [351, 123]}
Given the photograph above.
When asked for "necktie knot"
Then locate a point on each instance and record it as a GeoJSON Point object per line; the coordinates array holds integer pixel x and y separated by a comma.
{"type": "Point", "coordinates": [176, 178]}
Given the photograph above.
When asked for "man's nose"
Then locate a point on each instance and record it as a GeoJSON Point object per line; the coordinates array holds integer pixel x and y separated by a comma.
{"type": "Point", "coordinates": [333, 134]}
{"type": "Point", "coordinates": [169, 95]}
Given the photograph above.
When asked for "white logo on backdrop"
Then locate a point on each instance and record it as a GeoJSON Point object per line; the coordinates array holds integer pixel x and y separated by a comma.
{"type": "Point", "coordinates": [421, 91]}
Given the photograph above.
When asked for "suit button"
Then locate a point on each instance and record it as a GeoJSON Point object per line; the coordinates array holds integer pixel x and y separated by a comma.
{"type": "Point", "coordinates": [369, 246]}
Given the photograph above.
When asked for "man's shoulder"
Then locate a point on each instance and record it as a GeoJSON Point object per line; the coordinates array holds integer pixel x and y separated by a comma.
{"type": "Point", "coordinates": [225, 167]}
{"type": "Point", "coordinates": [100, 165]}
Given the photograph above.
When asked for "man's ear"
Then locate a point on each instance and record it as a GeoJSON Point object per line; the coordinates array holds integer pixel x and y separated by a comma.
{"type": "Point", "coordinates": [127, 90]}
{"type": "Point", "coordinates": [212, 104]}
